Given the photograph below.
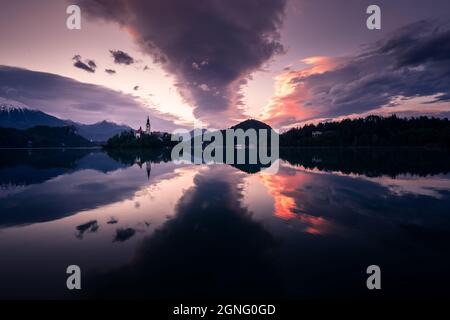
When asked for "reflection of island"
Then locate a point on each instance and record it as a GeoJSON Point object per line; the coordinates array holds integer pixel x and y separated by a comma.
{"type": "Point", "coordinates": [140, 156]}
{"type": "Point", "coordinates": [148, 166]}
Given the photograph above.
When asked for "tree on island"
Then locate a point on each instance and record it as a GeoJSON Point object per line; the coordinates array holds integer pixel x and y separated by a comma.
{"type": "Point", "coordinates": [129, 140]}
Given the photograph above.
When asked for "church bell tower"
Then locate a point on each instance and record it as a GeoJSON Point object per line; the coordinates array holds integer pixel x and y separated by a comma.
{"type": "Point", "coordinates": [147, 128]}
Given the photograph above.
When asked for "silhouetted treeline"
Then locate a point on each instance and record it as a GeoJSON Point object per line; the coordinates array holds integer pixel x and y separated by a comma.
{"type": "Point", "coordinates": [128, 140]}
{"type": "Point", "coordinates": [372, 131]}
{"type": "Point", "coordinates": [42, 136]}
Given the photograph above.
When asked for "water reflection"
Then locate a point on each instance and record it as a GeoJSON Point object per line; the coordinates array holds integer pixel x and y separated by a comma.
{"type": "Point", "coordinates": [372, 162]}
{"type": "Point", "coordinates": [141, 226]}
{"type": "Point", "coordinates": [211, 247]}
{"type": "Point", "coordinates": [71, 181]}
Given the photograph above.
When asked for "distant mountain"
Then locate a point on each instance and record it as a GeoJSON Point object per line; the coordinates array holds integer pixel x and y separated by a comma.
{"type": "Point", "coordinates": [100, 131]}
{"type": "Point", "coordinates": [244, 125]}
{"type": "Point", "coordinates": [251, 124]}
{"type": "Point", "coordinates": [16, 115]}
{"type": "Point", "coordinates": [42, 137]}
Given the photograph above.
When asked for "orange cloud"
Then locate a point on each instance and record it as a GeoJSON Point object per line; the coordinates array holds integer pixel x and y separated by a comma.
{"type": "Point", "coordinates": [290, 103]}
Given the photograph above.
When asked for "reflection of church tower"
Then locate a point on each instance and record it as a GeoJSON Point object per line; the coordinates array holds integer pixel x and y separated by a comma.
{"type": "Point", "coordinates": [148, 166]}
{"type": "Point", "coordinates": [147, 129]}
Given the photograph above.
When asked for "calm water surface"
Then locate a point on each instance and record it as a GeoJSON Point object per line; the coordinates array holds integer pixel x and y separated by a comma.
{"type": "Point", "coordinates": [140, 225]}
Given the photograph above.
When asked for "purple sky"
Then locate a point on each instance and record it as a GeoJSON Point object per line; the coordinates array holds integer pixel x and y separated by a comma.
{"type": "Point", "coordinates": [217, 62]}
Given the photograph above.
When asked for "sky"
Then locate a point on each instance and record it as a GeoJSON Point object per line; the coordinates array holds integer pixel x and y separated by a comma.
{"type": "Point", "coordinates": [217, 62]}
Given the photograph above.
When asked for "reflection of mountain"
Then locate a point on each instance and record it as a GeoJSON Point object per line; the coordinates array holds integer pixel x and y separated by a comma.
{"type": "Point", "coordinates": [371, 161]}
{"type": "Point", "coordinates": [250, 168]}
{"type": "Point", "coordinates": [58, 182]}
{"type": "Point", "coordinates": [211, 248]}
{"type": "Point", "coordinates": [25, 167]}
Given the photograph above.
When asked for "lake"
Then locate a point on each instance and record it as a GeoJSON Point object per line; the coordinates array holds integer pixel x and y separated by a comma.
{"type": "Point", "coordinates": [141, 226]}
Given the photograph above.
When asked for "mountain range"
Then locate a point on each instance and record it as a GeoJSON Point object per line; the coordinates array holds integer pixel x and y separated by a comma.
{"type": "Point", "coordinates": [19, 116]}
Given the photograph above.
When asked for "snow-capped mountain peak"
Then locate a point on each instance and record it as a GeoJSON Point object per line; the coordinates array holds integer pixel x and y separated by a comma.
{"type": "Point", "coordinates": [12, 105]}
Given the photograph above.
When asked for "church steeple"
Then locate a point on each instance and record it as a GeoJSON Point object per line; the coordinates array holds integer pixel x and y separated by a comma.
{"type": "Point", "coordinates": [148, 128]}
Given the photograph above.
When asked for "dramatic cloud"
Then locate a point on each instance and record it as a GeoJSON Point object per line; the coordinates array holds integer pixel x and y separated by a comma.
{"type": "Point", "coordinates": [110, 71]}
{"type": "Point", "coordinates": [204, 43]}
{"type": "Point", "coordinates": [121, 57]}
{"type": "Point", "coordinates": [414, 62]}
{"type": "Point", "coordinates": [69, 99]}
{"type": "Point", "coordinates": [87, 65]}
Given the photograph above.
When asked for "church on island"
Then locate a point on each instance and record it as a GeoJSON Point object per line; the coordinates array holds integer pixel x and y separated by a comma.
{"type": "Point", "coordinates": [139, 132]}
